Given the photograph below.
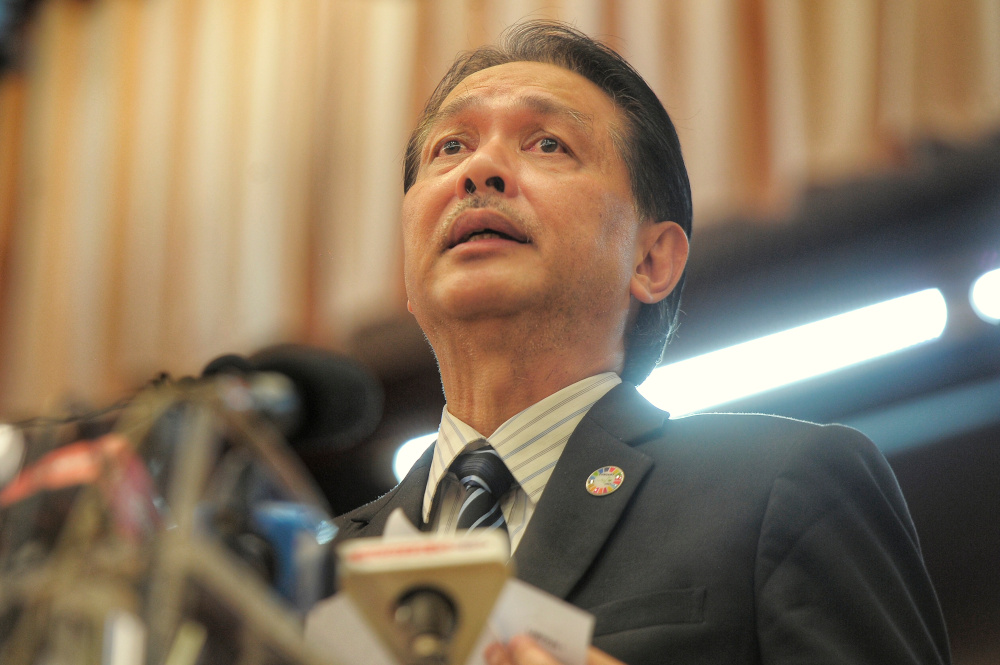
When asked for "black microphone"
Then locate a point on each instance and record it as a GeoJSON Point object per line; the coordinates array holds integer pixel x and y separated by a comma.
{"type": "Point", "coordinates": [318, 399]}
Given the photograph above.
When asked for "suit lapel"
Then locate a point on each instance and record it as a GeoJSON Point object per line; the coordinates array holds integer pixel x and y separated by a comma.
{"type": "Point", "coordinates": [569, 525]}
{"type": "Point", "coordinates": [369, 520]}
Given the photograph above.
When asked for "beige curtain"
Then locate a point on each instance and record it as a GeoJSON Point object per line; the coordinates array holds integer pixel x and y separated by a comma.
{"type": "Point", "coordinates": [183, 178]}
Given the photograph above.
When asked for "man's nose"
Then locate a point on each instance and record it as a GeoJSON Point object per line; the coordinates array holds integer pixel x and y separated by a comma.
{"type": "Point", "coordinates": [496, 182]}
{"type": "Point", "coordinates": [487, 171]}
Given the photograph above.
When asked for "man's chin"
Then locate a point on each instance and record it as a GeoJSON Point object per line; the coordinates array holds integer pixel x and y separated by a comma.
{"type": "Point", "coordinates": [494, 309]}
{"type": "Point", "coordinates": [482, 303]}
{"type": "Point", "coordinates": [476, 290]}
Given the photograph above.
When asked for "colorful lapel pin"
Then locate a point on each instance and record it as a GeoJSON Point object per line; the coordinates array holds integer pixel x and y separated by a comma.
{"type": "Point", "coordinates": [605, 480]}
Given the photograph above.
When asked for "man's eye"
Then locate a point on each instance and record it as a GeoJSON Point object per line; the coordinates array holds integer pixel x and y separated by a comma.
{"type": "Point", "coordinates": [451, 147]}
{"type": "Point", "coordinates": [548, 145]}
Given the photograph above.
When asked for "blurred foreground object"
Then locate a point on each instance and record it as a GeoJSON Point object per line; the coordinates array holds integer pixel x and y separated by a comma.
{"type": "Point", "coordinates": [427, 597]}
{"type": "Point", "coordinates": [319, 400]}
{"type": "Point", "coordinates": [179, 529]}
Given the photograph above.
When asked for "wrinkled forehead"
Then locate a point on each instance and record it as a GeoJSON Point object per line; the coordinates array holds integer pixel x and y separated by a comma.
{"type": "Point", "coordinates": [518, 98]}
{"type": "Point", "coordinates": [544, 88]}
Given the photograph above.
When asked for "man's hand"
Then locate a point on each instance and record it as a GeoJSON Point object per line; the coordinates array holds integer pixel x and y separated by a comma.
{"type": "Point", "coordinates": [522, 650]}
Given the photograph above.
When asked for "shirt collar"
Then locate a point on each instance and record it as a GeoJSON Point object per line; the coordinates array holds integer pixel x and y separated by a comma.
{"type": "Point", "coordinates": [531, 427]}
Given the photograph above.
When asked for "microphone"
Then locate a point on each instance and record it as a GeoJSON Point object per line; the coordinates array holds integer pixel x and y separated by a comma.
{"type": "Point", "coordinates": [317, 399]}
{"type": "Point", "coordinates": [427, 597]}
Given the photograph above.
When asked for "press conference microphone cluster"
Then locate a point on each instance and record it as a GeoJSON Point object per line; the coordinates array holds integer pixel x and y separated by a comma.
{"type": "Point", "coordinates": [157, 510]}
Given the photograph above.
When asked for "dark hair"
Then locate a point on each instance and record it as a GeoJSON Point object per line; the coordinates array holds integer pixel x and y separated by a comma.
{"type": "Point", "coordinates": [649, 148]}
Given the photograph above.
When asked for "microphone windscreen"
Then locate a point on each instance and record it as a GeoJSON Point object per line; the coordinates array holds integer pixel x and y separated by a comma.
{"type": "Point", "coordinates": [229, 363]}
{"type": "Point", "coordinates": [341, 401]}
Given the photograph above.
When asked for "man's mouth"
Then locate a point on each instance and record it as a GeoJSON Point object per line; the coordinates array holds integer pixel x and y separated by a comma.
{"type": "Point", "coordinates": [485, 225]}
{"type": "Point", "coordinates": [486, 234]}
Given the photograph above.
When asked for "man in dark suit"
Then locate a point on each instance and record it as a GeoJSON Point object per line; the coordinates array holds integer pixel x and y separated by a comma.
{"type": "Point", "coordinates": [545, 227]}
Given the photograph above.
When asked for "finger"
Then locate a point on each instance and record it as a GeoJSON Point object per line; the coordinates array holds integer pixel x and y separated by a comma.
{"type": "Point", "coordinates": [522, 650]}
{"type": "Point", "coordinates": [496, 654]}
{"type": "Point", "coordinates": [526, 651]}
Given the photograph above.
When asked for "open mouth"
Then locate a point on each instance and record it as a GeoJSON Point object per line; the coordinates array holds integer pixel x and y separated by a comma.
{"type": "Point", "coordinates": [484, 225]}
{"type": "Point", "coordinates": [486, 234]}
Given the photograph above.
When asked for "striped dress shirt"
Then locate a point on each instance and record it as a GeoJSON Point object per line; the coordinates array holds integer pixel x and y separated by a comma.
{"type": "Point", "coordinates": [529, 443]}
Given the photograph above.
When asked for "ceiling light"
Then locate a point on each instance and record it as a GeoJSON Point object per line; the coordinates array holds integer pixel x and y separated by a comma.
{"type": "Point", "coordinates": [985, 296]}
{"type": "Point", "coordinates": [799, 353]}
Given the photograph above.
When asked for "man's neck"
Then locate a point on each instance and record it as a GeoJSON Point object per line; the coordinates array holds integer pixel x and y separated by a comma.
{"type": "Point", "coordinates": [487, 384]}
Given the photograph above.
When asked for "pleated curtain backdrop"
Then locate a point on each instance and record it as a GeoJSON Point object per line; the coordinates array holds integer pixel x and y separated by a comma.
{"type": "Point", "coordinates": [184, 178]}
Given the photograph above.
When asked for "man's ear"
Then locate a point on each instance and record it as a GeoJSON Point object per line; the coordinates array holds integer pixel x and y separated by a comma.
{"type": "Point", "coordinates": [661, 254]}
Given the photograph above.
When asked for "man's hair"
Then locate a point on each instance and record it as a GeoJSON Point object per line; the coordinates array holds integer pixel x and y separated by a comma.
{"type": "Point", "coordinates": [649, 148]}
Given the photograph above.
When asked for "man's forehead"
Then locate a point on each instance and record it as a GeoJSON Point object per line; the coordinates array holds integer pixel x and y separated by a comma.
{"type": "Point", "coordinates": [524, 98]}
{"type": "Point", "coordinates": [543, 88]}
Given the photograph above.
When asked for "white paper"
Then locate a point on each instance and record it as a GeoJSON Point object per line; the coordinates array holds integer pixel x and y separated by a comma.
{"type": "Point", "coordinates": [562, 629]}
{"type": "Point", "coordinates": [336, 628]}
{"type": "Point", "coordinates": [397, 526]}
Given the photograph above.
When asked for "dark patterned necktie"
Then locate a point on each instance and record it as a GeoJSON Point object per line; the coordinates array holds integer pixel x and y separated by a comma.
{"type": "Point", "coordinates": [486, 479]}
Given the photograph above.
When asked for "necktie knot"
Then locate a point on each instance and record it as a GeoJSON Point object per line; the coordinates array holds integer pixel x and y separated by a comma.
{"type": "Point", "coordinates": [486, 478]}
{"type": "Point", "coordinates": [483, 468]}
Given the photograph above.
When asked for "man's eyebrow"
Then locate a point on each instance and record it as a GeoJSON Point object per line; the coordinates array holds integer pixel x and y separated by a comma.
{"type": "Point", "coordinates": [537, 103]}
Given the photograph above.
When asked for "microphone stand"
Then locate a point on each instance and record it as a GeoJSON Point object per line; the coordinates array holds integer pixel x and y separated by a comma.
{"type": "Point", "coordinates": [173, 594]}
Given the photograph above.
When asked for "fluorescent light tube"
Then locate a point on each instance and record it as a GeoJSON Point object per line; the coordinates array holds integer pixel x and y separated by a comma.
{"type": "Point", "coordinates": [985, 296]}
{"type": "Point", "coordinates": [799, 353]}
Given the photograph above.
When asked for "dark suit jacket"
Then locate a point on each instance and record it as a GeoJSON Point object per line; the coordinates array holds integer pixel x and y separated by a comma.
{"type": "Point", "coordinates": [733, 539]}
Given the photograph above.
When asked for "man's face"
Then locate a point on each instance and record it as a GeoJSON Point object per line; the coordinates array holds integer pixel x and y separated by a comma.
{"type": "Point", "coordinates": [521, 203]}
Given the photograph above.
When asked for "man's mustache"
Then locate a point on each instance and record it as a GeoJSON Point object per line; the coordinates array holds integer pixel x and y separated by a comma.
{"type": "Point", "coordinates": [486, 201]}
